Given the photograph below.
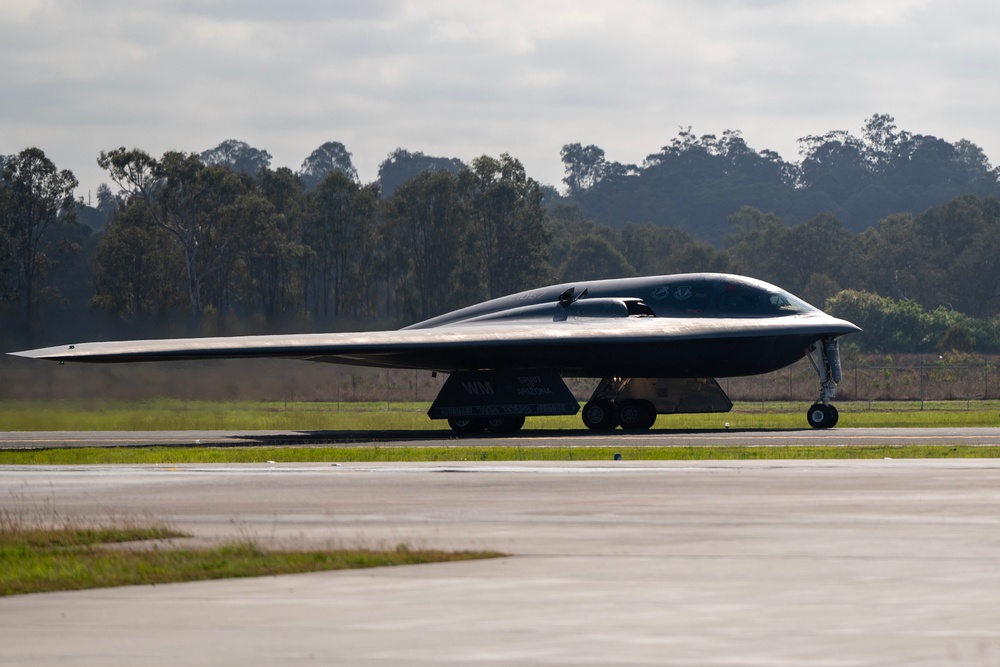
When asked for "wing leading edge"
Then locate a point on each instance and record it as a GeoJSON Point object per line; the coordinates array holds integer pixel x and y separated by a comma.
{"type": "Point", "coordinates": [655, 347]}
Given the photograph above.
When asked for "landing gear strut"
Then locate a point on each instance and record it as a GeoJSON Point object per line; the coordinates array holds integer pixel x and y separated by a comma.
{"type": "Point", "coordinates": [821, 414]}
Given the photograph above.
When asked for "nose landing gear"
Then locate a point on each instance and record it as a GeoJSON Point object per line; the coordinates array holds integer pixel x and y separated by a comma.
{"type": "Point", "coordinates": [822, 414]}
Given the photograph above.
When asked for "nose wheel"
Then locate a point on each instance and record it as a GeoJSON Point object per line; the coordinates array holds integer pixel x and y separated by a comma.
{"type": "Point", "coordinates": [822, 416]}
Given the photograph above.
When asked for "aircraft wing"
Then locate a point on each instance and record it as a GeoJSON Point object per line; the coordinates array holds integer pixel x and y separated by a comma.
{"type": "Point", "coordinates": [639, 346]}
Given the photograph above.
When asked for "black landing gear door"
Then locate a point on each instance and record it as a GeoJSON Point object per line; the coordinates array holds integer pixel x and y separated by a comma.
{"type": "Point", "coordinates": [499, 393]}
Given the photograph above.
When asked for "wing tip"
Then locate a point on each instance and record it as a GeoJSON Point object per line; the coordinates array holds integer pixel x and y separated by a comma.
{"type": "Point", "coordinates": [53, 353]}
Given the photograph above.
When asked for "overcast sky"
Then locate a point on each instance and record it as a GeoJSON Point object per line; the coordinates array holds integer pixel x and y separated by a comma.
{"type": "Point", "coordinates": [463, 78]}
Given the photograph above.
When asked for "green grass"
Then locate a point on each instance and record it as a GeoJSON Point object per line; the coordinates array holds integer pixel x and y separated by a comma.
{"type": "Point", "coordinates": [169, 415]}
{"type": "Point", "coordinates": [501, 452]}
{"type": "Point", "coordinates": [236, 416]}
{"type": "Point", "coordinates": [34, 560]}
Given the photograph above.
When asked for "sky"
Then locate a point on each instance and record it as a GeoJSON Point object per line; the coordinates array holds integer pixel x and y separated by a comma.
{"type": "Point", "coordinates": [464, 78]}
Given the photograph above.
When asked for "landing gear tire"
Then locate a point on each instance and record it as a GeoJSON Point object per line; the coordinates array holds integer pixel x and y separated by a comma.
{"type": "Point", "coordinates": [636, 415]}
{"type": "Point", "coordinates": [505, 424]}
{"type": "Point", "coordinates": [822, 416]}
{"type": "Point", "coordinates": [467, 425]}
{"type": "Point", "coordinates": [600, 415]}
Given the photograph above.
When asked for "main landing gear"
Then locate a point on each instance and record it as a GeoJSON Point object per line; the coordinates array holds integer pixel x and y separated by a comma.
{"type": "Point", "coordinates": [633, 403]}
{"type": "Point", "coordinates": [822, 414]}
{"type": "Point", "coordinates": [603, 413]}
{"type": "Point", "coordinates": [498, 401]}
{"type": "Point", "coordinates": [634, 414]}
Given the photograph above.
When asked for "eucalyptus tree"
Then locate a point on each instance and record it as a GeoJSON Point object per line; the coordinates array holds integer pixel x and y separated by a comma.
{"type": "Point", "coordinates": [192, 202]}
{"type": "Point", "coordinates": [339, 233]}
{"type": "Point", "coordinates": [508, 223]}
{"type": "Point", "coordinates": [138, 268]}
{"type": "Point", "coordinates": [328, 158]}
{"type": "Point", "coordinates": [237, 156]}
{"type": "Point", "coordinates": [594, 257]}
{"type": "Point", "coordinates": [37, 198]}
{"type": "Point", "coordinates": [587, 167]}
{"type": "Point", "coordinates": [428, 226]}
{"type": "Point", "coordinates": [584, 166]}
{"type": "Point", "coordinates": [402, 165]}
{"type": "Point", "coordinates": [656, 250]}
{"type": "Point", "coordinates": [275, 264]}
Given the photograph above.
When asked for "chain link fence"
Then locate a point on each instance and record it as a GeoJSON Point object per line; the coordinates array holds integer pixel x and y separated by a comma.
{"type": "Point", "coordinates": [880, 378]}
{"type": "Point", "coordinates": [865, 378]}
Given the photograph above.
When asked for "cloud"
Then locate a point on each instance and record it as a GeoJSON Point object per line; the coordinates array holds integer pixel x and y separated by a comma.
{"type": "Point", "coordinates": [458, 78]}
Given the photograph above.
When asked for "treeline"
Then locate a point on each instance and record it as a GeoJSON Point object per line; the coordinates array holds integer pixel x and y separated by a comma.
{"type": "Point", "coordinates": [209, 238]}
{"type": "Point", "coordinates": [695, 182]}
{"type": "Point", "coordinates": [219, 242]}
{"type": "Point", "coordinates": [198, 239]}
{"type": "Point", "coordinates": [915, 283]}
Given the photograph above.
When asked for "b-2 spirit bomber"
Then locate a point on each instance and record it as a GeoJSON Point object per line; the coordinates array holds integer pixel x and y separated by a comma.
{"type": "Point", "coordinates": [656, 345]}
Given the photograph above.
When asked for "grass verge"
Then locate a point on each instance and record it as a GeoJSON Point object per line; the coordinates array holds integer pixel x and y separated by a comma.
{"type": "Point", "coordinates": [171, 414]}
{"type": "Point", "coordinates": [34, 560]}
{"type": "Point", "coordinates": [401, 454]}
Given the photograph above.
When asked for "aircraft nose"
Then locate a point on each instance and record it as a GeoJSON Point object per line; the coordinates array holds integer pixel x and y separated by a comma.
{"type": "Point", "coordinates": [845, 327]}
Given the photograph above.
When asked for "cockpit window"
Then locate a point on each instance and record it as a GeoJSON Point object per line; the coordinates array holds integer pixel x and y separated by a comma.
{"type": "Point", "coordinates": [636, 308]}
{"type": "Point", "coordinates": [786, 304]}
{"type": "Point", "coordinates": [689, 298]}
{"type": "Point", "coordinates": [736, 300]}
{"type": "Point", "coordinates": [701, 297]}
{"type": "Point", "coordinates": [740, 300]}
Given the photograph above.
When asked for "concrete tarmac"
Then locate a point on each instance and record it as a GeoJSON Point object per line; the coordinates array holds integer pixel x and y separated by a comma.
{"type": "Point", "coordinates": [527, 438]}
{"type": "Point", "coordinates": [807, 563]}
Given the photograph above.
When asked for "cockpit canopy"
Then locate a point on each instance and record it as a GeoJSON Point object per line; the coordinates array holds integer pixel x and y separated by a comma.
{"type": "Point", "coordinates": [723, 297]}
{"type": "Point", "coordinates": [684, 295]}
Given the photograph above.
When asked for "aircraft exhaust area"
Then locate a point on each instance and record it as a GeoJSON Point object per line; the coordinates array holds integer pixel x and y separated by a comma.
{"type": "Point", "coordinates": [824, 562]}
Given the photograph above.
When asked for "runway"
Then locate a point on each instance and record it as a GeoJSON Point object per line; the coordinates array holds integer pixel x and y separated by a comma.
{"type": "Point", "coordinates": [527, 438]}
{"type": "Point", "coordinates": [811, 563]}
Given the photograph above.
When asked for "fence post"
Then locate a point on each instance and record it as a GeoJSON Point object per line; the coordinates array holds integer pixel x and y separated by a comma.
{"type": "Point", "coordinates": [921, 384]}
{"type": "Point", "coordinates": [857, 396]}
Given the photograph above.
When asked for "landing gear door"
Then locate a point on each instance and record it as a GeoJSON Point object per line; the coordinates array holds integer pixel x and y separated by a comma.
{"type": "Point", "coordinates": [498, 393]}
{"type": "Point", "coordinates": [678, 395]}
